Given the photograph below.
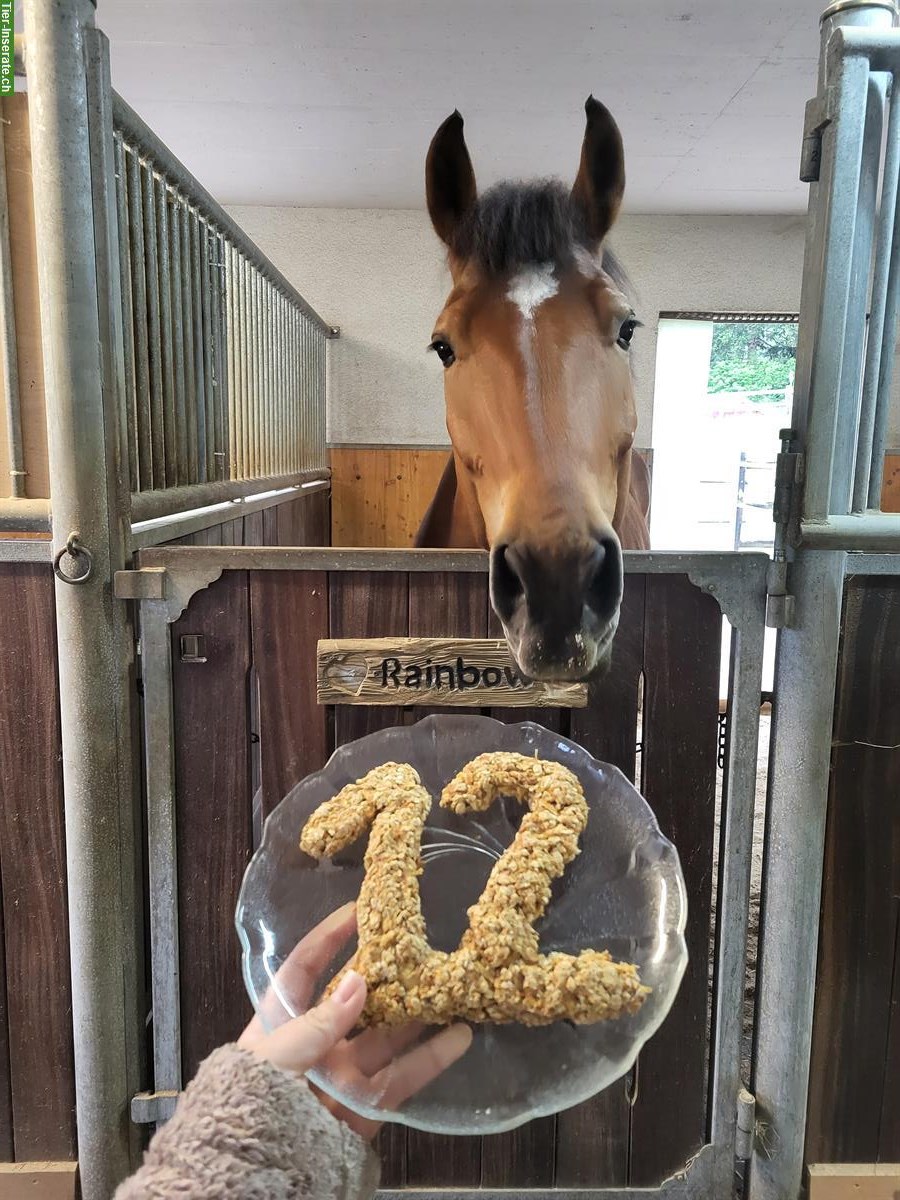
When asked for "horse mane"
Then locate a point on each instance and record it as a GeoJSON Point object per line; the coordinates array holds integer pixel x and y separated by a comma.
{"type": "Point", "coordinates": [513, 226]}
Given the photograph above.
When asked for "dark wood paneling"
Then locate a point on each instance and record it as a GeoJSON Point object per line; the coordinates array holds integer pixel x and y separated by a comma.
{"type": "Point", "coordinates": [445, 605]}
{"type": "Point", "coordinates": [39, 1069]}
{"type": "Point", "coordinates": [889, 1125]}
{"type": "Point", "coordinates": [682, 640]}
{"type": "Point", "coordinates": [214, 826]}
{"type": "Point", "coordinates": [288, 614]}
{"type": "Point", "coordinates": [376, 605]}
{"type": "Point", "coordinates": [593, 1139]}
{"type": "Point", "coordinates": [852, 1028]}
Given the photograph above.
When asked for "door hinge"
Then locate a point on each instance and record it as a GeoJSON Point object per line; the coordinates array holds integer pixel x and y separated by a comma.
{"type": "Point", "coordinates": [745, 1132]}
{"type": "Point", "coordinates": [786, 515]}
{"type": "Point", "coordinates": [815, 119]}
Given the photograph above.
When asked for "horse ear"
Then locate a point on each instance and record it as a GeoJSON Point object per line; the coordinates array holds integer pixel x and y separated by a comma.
{"type": "Point", "coordinates": [601, 176]}
{"type": "Point", "coordinates": [449, 178]}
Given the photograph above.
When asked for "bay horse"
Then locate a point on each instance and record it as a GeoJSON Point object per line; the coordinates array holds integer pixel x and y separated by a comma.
{"type": "Point", "coordinates": [534, 338]}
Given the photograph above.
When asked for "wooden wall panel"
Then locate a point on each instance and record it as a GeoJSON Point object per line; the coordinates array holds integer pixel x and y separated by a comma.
{"type": "Point", "coordinates": [288, 614]}
{"type": "Point", "coordinates": [38, 1074]}
{"type": "Point", "coordinates": [376, 605]}
{"type": "Point", "coordinates": [682, 640]}
{"type": "Point", "coordinates": [853, 1114]}
{"type": "Point", "coordinates": [213, 812]}
{"type": "Point", "coordinates": [380, 493]}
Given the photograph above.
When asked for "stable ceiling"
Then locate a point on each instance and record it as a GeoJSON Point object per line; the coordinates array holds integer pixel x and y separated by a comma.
{"type": "Point", "coordinates": [332, 102]}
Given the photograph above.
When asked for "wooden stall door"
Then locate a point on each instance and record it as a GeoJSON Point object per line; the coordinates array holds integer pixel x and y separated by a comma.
{"type": "Point", "coordinates": [854, 1113]}
{"type": "Point", "coordinates": [264, 629]}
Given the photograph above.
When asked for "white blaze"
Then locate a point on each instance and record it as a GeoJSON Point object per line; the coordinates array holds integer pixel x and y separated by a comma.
{"type": "Point", "coordinates": [530, 288]}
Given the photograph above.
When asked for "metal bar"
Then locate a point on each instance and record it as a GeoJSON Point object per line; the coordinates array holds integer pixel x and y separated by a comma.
{"type": "Point", "coordinates": [865, 531]}
{"type": "Point", "coordinates": [202, 232]}
{"type": "Point", "coordinates": [246, 376]}
{"type": "Point", "coordinates": [165, 529]}
{"type": "Point", "coordinates": [9, 358]}
{"type": "Point", "coordinates": [154, 329]}
{"type": "Point", "coordinates": [223, 383]}
{"type": "Point", "coordinates": [276, 374]}
{"type": "Point", "coordinates": [187, 337]}
{"type": "Point", "coordinates": [266, 351]}
{"type": "Point", "coordinates": [170, 439]}
{"type": "Point", "coordinates": [138, 133]}
{"type": "Point", "coordinates": [848, 410]}
{"type": "Point", "coordinates": [182, 445]}
{"type": "Point", "coordinates": [129, 397]}
{"type": "Point", "coordinates": [255, 350]}
{"type": "Point", "coordinates": [138, 273]}
{"type": "Point", "coordinates": [323, 401]}
{"type": "Point", "coordinates": [219, 327]}
{"type": "Point", "coordinates": [861, 563]}
{"type": "Point", "coordinates": [841, 162]}
{"type": "Point", "coordinates": [711, 565]}
{"type": "Point", "coordinates": [234, 404]}
{"type": "Point", "coordinates": [295, 389]}
{"type": "Point", "coordinates": [26, 550]}
{"type": "Point", "coordinates": [159, 758]}
{"type": "Point", "coordinates": [73, 204]}
{"type": "Point", "coordinates": [146, 506]}
{"type": "Point", "coordinates": [806, 666]}
{"type": "Point", "coordinates": [735, 861]}
{"type": "Point", "coordinates": [204, 433]}
{"type": "Point", "coordinates": [18, 515]}
{"type": "Point", "coordinates": [871, 392]}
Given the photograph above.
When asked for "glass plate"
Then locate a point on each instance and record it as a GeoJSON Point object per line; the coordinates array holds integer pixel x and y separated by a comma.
{"type": "Point", "coordinates": [624, 892]}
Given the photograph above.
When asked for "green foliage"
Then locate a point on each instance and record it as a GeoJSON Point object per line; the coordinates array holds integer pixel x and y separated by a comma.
{"type": "Point", "coordinates": [748, 356]}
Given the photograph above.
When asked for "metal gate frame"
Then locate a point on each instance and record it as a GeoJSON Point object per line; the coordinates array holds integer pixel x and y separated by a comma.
{"type": "Point", "coordinates": [163, 585]}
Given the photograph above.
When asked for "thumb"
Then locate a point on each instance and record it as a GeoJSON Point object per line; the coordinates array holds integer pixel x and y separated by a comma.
{"type": "Point", "coordinates": [301, 1043]}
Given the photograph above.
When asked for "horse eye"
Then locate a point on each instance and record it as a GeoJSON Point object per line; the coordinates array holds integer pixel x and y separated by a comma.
{"type": "Point", "coordinates": [626, 333]}
{"type": "Point", "coordinates": [444, 351]}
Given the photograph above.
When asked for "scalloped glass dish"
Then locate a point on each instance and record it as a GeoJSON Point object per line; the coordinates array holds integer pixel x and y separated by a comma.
{"type": "Point", "coordinates": [624, 893]}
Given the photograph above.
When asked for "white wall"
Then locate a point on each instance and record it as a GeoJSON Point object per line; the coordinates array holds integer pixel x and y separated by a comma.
{"type": "Point", "coordinates": [380, 275]}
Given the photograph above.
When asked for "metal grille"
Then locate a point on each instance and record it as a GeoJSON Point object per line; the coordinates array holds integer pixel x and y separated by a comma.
{"type": "Point", "coordinates": [224, 360]}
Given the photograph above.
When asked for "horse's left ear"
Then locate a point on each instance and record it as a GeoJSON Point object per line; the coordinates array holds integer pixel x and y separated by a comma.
{"type": "Point", "coordinates": [601, 176]}
{"type": "Point", "coordinates": [449, 178]}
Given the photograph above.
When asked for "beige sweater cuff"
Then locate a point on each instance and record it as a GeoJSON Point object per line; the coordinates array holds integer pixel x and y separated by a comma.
{"type": "Point", "coordinates": [245, 1130]}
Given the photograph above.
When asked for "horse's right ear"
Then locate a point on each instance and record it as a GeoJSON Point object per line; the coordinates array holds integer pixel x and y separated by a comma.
{"type": "Point", "coordinates": [449, 178]}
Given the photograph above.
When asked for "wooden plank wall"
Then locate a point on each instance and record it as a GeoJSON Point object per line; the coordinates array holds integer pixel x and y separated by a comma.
{"type": "Point", "coordinates": [381, 492]}
{"type": "Point", "coordinates": [37, 1075]}
{"type": "Point", "coordinates": [854, 1093]}
{"type": "Point", "coordinates": [670, 636]}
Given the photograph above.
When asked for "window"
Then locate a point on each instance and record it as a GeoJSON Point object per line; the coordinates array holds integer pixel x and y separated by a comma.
{"type": "Point", "coordinates": [724, 390]}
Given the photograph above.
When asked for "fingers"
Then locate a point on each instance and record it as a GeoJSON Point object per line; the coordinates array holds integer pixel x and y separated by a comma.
{"type": "Point", "coordinates": [417, 1069]}
{"type": "Point", "coordinates": [375, 1048]}
{"type": "Point", "coordinates": [301, 1043]}
{"type": "Point", "coordinates": [296, 978]}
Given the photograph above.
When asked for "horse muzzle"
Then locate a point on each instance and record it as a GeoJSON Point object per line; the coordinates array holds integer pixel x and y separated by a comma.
{"type": "Point", "coordinates": [559, 607]}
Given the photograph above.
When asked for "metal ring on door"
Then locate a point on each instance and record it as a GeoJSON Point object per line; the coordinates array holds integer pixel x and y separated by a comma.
{"type": "Point", "coordinates": [75, 550]}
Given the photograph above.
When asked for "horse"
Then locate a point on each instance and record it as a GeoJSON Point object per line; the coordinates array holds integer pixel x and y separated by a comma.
{"type": "Point", "coordinates": [534, 338]}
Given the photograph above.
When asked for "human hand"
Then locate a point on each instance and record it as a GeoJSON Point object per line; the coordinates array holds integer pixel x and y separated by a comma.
{"type": "Point", "coordinates": [382, 1065]}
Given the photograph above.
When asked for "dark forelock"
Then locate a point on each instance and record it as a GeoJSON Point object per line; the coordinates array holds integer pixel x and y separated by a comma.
{"type": "Point", "coordinates": [516, 225]}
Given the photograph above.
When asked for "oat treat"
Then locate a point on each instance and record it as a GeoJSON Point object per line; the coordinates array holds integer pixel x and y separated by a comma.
{"type": "Point", "coordinates": [497, 973]}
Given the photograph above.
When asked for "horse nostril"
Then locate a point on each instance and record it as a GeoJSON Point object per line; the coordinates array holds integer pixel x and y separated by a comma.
{"type": "Point", "coordinates": [506, 580]}
{"type": "Point", "coordinates": [604, 588]}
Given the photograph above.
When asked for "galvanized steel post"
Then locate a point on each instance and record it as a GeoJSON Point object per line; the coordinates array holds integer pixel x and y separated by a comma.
{"type": "Point", "coordinates": [73, 205]}
{"type": "Point", "coordinates": [807, 655]}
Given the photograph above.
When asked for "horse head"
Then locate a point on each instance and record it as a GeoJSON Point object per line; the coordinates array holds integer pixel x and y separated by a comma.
{"type": "Point", "coordinates": [534, 338]}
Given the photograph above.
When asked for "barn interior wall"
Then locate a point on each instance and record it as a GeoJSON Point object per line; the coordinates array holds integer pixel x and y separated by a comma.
{"type": "Point", "coordinates": [380, 275]}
